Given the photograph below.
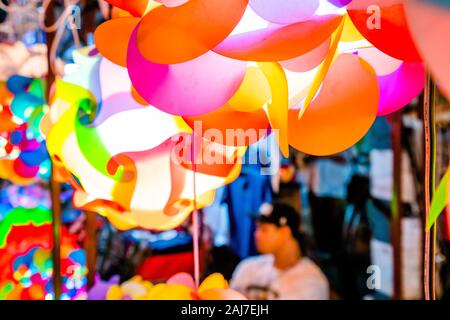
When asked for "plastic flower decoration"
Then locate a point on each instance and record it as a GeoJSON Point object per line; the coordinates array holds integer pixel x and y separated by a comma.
{"type": "Point", "coordinates": [25, 258]}
{"type": "Point", "coordinates": [24, 158]}
{"type": "Point", "coordinates": [284, 58]}
{"type": "Point", "coordinates": [182, 287]}
{"type": "Point", "coordinates": [127, 160]}
{"type": "Point", "coordinates": [179, 287]}
{"type": "Point", "coordinates": [316, 73]}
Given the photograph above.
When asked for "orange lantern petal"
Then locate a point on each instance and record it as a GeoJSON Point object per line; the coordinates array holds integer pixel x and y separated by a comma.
{"type": "Point", "coordinates": [221, 294]}
{"type": "Point", "coordinates": [342, 113]}
{"type": "Point", "coordinates": [112, 37]}
{"type": "Point", "coordinates": [174, 35]}
{"type": "Point", "coordinates": [228, 121]}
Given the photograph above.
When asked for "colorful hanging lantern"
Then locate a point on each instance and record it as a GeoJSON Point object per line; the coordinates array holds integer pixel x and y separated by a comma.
{"type": "Point", "coordinates": [26, 261]}
{"type": "Point", "coordinates": [25, 159]}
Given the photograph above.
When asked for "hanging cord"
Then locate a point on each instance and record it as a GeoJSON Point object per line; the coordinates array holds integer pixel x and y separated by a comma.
{"type": "Point", "coordinates": [104, 9]}
{"type": "Point", "coordinates": [195, 224]}
{"type": "Point", "coordinates": [59, 27]}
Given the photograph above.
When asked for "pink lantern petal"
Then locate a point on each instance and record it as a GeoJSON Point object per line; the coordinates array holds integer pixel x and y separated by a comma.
{"type": "Point", "coordinates": [309, 60]}
{"type": "Point", "coordinates": [115, 104]}
{"type": "Point", "coordinates": [381, 62]}
{"type": "Point", "coordinates": [430, 27]}
{"type": "Point", "coordinates": [282, 42]}
{"type": "Point", "coordinates": [113, 79]}
{"type": "Point", "coordinates": [187, 89]}
{"type": "Point", "coordinates": [398, 89]}
{"type": "Point", "coordinates": [172, 3]}
{"type": "Point", "coordinates": [340, 3]}
{"type": "Point", "coordinates": [183, 279]}
{"type": "Point", "coordinates": [284, 11]}
{"type": "Point", "coordinates": [25, 171]}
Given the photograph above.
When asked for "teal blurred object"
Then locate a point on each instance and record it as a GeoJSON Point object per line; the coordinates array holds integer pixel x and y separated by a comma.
{"type": "Point", "coordinates": [440, 2]}
{"type": "Point", "coordinates": [28, 107]}
{"type": "Point", "coordinates": [24, 104]}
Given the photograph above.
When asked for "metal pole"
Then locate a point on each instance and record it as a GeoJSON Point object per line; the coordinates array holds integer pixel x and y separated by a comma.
{"type": "Point", "coordinates": [429, 121]}
{"type": "Point", "coordinates": [396, 205]}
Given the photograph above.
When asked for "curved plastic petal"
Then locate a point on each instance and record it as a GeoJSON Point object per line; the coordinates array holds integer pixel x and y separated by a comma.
{"type": "Point", "coordinates": [7, 171]}
{"type": "Point", "coordinates": [87, 72]}
{"type": "Point", "coordinates": [214, 281]}
{"type": "Point", "coordinates": [17, 83]}
{"type": "Point", "coordinates": [284, 11]}
{"type": "Point", "coordinates": [401, 87]}
{"type": "Point", "coordinates": [179, 34]}
{"type": "Point", "coordinates": [190, 88]}
{"type": "Point", "coordinates": [430, 26]}
{"type": "Point", "coordinates": [170, 292]}
{"type": "Point", "coordinates": [230, 127]}
{"type": "Point", "coordinates": [278, 108]}
{"type": "Point", "coordinates": [112, 38]}
{"type": "Point", "coordinates": [221, 294]}
{"type": "Point", "coordinates": [6, 123]}
{"type": "Point", "coordinates": [172, 3]}
{"type": "Point", "coordinates": [383, 23]}
{"type": "Point", "coordinates": [299, 84]}
{"type": "Point", "coordinates": [22, 169]}
{"type": "Point", "coordinates": [184, 279]}
{"type": "Point", "coordinates": [23, 105]}
{"type": "Point", "coordinates": [324, 68]}
{"type": "Point", "coordinates": [113, 79]}
{"type": "Point", "coordinates": [282, 42]}
{"type": "Point", "coordinates": [350, 32]}
{"type": "Point", "coordinates": [253, 93]}
{"type": "Point", "coordinates": [439, 202]}
{"type": "Point", "coordinates": [125, 194]}
{"type": "Point", "coordinates": [309, 60]}
{"type": "Point", "coordinates": [340, 3]}
{"type": "Point", "coordinates": [135, 7]}
{"type": "Point", "coordinates": [381, 62]}
{"type": "Point", "coordinates": [343, 111]}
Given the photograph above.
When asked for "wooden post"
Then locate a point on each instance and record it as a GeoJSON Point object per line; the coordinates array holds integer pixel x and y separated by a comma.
{"type": "Point", "coordinates": [396, 205]}
{"type": "Point", "coordinates": [90, 246]}
{"type": "Point", "coordinates": [88, 18]}
{"type": "Point", "coordinates": [429, 121]}
{"type": "Point", "coordinates": [55, 188]}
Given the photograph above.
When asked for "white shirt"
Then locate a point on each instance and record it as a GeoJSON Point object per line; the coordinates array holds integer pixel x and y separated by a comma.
{"type": "Point", "coordinates": [258, 279]}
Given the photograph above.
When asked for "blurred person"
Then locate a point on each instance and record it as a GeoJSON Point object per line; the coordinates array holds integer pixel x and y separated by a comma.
{"type": "Point", "coordinates": [282, 271]}
{"type": "Point", "coordinates": [328, 180]}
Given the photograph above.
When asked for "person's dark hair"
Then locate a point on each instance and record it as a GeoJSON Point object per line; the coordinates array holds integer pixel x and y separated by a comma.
{"type": "Point", "coordinates": [283, 214]}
